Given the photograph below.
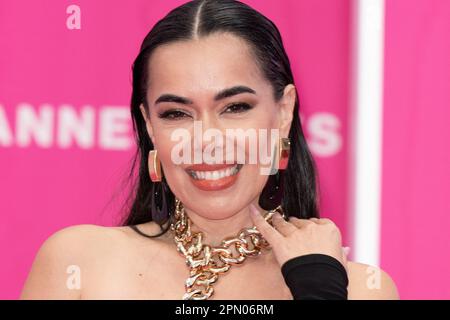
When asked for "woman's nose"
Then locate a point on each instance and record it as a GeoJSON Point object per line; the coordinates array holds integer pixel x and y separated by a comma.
{"type": "Point", "coordinates": [209, 134]}
{"type": "Point", "coordinates": [210, 121]}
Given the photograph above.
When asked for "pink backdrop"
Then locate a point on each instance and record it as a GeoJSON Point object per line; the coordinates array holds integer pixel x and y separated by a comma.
{"type": "Point", "coordinates": [415, 244]}
{"type": "Point", "coordinates": [49, 182]}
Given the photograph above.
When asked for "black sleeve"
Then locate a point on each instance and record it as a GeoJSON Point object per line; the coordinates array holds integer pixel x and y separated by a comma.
{"type": "Point", "coordinates": [315, 277]}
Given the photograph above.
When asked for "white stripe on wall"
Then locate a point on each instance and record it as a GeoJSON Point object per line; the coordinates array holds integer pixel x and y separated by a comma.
{"type": "Point", "coordinates": [366, 130]}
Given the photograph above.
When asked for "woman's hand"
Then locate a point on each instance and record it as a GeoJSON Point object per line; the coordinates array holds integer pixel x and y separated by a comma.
{"type": "Point", "coordinates": [298, 237]}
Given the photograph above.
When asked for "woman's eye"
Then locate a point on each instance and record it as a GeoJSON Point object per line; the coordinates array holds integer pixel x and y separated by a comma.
{"type": "Point", "coordinates": [173, 114]}
{"type": "Point", "coordinates": [237, 108]}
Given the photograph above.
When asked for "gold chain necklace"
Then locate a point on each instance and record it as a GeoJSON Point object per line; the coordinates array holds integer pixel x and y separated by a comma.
{"type": "Point", "coordinates": [206, 262]}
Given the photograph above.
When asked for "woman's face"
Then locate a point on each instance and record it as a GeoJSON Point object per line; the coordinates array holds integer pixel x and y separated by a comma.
{"type": "Point", "coordinates": [184, 80]}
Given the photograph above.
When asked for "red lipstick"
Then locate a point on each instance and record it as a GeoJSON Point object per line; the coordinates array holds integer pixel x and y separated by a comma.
{"type": "Point", "coordinates": [213, 177]}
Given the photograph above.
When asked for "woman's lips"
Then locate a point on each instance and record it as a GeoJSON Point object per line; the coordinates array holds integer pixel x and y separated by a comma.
{"type": "Point", "coordinates": [213, 177]}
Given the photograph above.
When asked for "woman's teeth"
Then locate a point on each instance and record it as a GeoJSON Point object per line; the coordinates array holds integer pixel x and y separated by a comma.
{"type": "Point", "coordinates": [215, 175]}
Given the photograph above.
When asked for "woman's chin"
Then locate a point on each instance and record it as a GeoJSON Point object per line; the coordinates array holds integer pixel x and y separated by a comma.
{"type": "Point", "coordinates": [224, 195]}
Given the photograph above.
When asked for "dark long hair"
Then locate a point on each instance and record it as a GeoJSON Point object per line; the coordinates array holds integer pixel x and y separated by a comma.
{"type": "Point", "coordinates": [200, 18]}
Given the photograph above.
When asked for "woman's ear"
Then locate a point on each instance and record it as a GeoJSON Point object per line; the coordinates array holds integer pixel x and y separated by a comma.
{"type": "Point", "coordinates": [147, 123]}
{"type": "Point", "coordinates": [286, 105]}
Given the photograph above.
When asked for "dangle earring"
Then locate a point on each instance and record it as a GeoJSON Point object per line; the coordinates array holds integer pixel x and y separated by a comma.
{"type": "Point", "coordinates": [154, 166]}
{"type": "Point", "coordinates": [284, 149]}
{"type": "Point", "coordinates": [159, 205]}
{"type": "Point", "coordinates": [272, 194]}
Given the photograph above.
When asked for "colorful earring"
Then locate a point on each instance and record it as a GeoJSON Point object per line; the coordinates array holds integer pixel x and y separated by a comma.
{"type": "Point", "coordinates": [272, 193]}
{"type": "Point", "coordinates": [154, 166]}
{"type": "Point", "coordinates": [284, 148]}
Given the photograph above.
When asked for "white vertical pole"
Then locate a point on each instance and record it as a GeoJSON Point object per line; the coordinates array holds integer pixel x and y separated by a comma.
{"type": "Point", "coordinates": [366, 129]}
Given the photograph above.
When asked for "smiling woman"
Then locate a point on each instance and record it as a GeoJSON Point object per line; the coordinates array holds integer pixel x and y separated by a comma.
{"type": "Point", "coordinates": [222, 63]}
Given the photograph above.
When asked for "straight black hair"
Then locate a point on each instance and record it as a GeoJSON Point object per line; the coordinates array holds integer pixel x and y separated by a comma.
{"type": "Point", "coordinates": [201, 18]}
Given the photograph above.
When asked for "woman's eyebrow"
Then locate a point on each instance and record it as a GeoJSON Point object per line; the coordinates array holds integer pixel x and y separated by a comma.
{"type": "Point", "coordinates": [225, 93]}
{"type": "Point", "coordinates": [233, 91]}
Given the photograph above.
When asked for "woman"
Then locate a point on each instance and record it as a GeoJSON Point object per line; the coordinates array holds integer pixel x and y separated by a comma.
{"type": "Point", "coordinates": [223, 65]}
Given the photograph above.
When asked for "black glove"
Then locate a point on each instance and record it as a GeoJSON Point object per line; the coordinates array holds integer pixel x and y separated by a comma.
{"type": "Point", "coordinates": [315, 277]}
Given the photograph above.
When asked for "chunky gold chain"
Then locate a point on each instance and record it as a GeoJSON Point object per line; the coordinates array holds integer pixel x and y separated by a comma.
{"type": "Point", "coordinates": [206, 262]}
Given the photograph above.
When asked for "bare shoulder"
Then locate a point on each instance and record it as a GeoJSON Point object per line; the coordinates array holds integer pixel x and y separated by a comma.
{"type": "Point", "coordinates": [70, 250]}
{"type": "Point", "coordinates": [368, 282]}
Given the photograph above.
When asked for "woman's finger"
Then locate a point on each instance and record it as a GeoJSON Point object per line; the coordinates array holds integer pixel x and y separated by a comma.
{"type": "Point", "coordinates": [267, 231]}
{"type": "Point", "coordinates": [322, 220]}
{"type": "Point", "coordinates": [299, 223]}
{"type": "Point", "coordinates": [284, 227]}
